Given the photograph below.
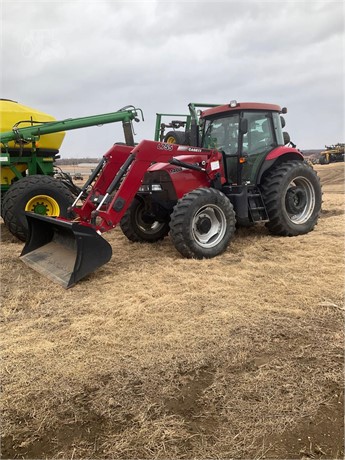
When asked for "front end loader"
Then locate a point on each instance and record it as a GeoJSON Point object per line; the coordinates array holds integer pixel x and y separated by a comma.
{"type": "Point", "coordinates": [65, 250]}
{"type": "Point", "coordinates": [242, 171]}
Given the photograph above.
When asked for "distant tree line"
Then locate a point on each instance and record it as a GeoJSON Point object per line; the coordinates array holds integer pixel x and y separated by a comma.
{"type": "Point", "coordinates": [76, 161]}
{"type": "Point", "coordinates": [309, 153]}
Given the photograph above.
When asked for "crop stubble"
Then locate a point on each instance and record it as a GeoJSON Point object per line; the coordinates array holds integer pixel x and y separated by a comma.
{"type": "Point", "coordinates": [156, 356]}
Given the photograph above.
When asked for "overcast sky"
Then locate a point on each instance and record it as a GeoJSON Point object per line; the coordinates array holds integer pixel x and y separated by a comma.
{"type": "Point", "coordinates": [79, 58]}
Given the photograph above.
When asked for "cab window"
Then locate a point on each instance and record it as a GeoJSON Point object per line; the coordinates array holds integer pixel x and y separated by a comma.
{"type": "Point", "coordinates": [259, 138]}
{"type": "Point", "coordinates": [222, 134]}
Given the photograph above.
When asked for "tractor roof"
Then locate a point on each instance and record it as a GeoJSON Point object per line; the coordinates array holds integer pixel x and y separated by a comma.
{"type": "Point", "coordinates": [240, 106]}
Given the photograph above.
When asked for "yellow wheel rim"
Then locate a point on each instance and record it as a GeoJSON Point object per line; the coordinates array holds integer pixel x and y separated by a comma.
{"type": "Point", "coordinates": [44, 205]}
{"type": "Point", "coordinates": [171, 140]}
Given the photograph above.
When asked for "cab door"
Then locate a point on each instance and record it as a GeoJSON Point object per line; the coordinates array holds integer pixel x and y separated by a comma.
{"type": "Point", "coordinates": [223, 134]}
{"type": "Point", "coordinates": [256, 144]}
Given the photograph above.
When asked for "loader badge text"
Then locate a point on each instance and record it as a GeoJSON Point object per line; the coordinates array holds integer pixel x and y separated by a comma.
{"type": "Point", "coordinates": [191, 149]}
{"type": "Point", "coordinates": [167, 147]}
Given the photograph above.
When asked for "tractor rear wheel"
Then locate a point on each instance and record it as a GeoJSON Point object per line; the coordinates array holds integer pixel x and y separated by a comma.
{"type": "Point", "coordinates": [141, 227]}
{"type": "Point", "coordinates": [202, 223]}
{"type": "Point", "coordinates": [292, 195]}
{"type": "Point", "coordinates": [39, 194]}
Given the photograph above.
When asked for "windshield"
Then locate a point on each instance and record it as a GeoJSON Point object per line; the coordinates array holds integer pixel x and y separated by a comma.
{"type": "Point", "coordinates": [222, 134]}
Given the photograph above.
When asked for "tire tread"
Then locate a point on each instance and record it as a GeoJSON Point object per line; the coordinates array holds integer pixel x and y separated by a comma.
{"type": "Point", "coordinates": [271, 195]}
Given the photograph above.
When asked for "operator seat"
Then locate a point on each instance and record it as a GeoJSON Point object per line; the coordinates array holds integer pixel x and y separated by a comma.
{"type": "Point", "coordinates": [257, 139]}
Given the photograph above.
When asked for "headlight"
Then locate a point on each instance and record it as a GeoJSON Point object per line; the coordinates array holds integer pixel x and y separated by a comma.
{"type": "Point", "coordinates": [150, 188]}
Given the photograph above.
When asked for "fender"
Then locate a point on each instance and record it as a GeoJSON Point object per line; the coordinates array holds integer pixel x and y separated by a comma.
{"type": "Point", "coordinates": [279, 151]}
{"type": "Point", "coordinates": [276, 156]}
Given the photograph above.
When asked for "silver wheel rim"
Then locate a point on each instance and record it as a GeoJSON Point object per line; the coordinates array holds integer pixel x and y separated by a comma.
{"type": "Point", "coordinates": [148, 228]}
{"type": "Point", "coordinates": [209, 226]}
{"type": "Point", "coordinates": [300, 200]}
{"type": "Point", "coordinates": [151, 229]}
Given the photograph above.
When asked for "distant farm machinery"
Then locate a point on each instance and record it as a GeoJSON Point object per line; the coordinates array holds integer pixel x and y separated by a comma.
{"type": "Point", "coordinates": [332, 154]}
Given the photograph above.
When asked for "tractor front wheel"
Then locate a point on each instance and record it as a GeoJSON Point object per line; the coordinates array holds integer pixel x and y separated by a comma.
{"type": "Point", "coordinates": [40, 194]}
{"type": "Point", "coordinates": [202, 223]}
{"type": "Point", "coordinates": [140, 226]}
{"type": "Point", "coordinates": [292, 195]}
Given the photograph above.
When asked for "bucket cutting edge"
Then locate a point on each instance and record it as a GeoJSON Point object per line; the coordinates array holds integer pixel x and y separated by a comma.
{"type": "Point", "coordinates": [65, 252]}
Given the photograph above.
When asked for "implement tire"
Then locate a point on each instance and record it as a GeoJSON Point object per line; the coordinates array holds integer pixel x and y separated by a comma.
{"type": "Point", "coordinates": [175, 137]}
{"type": "Point", "coordinates": [138, 226]}
{"type": "Point", "coordinates": [292, 195]}
{"type": "Point", "coordinates": [39, 194]}
{"type": "Point", "coordinates": [202, 223]}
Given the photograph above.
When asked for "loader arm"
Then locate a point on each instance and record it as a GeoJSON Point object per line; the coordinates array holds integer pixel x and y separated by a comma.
{"type": "Point", "coordinates": [122, 174]}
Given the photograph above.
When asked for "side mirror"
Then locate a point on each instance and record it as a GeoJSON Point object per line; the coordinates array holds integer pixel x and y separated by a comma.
{"type": "Point", "coordinates": [244, 126]}
{"type": "Point", "coordinates": [282, 121]}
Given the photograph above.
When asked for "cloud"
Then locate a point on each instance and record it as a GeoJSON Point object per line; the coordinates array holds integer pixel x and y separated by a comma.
{"type": "Point", "coordinates": [81, 58]}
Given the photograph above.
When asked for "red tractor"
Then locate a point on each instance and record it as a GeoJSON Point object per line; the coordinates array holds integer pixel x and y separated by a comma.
{"type": "Point", "coordinates": [240, 169]}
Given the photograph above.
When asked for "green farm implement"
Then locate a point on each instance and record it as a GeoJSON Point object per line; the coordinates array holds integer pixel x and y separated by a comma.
{"type": "Point", "coordinates": [30, 143]}
{"type": "Point", "coordinates": [191, 125]}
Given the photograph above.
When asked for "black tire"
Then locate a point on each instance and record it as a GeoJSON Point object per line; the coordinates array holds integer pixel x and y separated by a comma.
{"type": "Point", "coordinates": [175, 137]}
{"type": "Point", "coordinates": [202, 223]}
{"type": "Point", "coordinates": [292, 195]}
{"type": "Point", "coordinates": [140, 227]}
{"type": "Point", "coordinates": [324, 161]}
{"type": "Point", "coordinates": [41, 194]}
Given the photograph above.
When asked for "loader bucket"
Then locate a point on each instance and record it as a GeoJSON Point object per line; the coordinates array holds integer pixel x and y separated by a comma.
{"type": "Point", "coordinates": [63, 251]}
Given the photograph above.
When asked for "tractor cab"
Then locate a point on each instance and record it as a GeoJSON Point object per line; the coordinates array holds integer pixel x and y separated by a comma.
{"type": "Point", "coordinates": [245, 133]}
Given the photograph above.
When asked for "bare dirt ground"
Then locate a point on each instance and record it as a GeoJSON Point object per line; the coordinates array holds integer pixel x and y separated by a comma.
{"type": "Point", "coordinates": [156, 356]}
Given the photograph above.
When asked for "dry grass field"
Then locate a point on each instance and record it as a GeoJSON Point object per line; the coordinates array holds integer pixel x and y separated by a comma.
{"type": "Point", "coordinates": [154, 356]}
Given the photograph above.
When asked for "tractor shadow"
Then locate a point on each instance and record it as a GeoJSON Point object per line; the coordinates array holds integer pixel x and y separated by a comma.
{"type": "Point", "coordinates": [326, 213]}
{"type": "Point", "coordinates": [6, 236]}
